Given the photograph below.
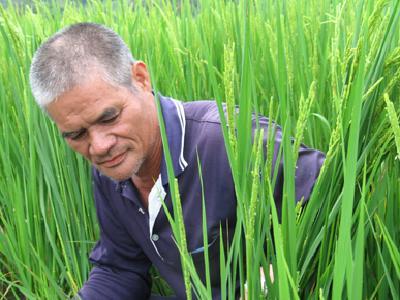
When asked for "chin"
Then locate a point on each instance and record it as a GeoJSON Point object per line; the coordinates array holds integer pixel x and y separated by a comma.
{"type": "Point", "coordinates": [124, 172]}
{"type": "Point", "coordinates": [119, 177]}
{"type": "Point", "coordinates": [113, 175]}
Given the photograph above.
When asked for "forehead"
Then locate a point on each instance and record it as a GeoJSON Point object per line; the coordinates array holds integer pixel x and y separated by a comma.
{"type": "Point", "coordinates": [84, 103]}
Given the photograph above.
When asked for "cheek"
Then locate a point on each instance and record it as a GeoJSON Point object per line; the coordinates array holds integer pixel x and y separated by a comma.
{"type": "Point", "coordinates": [125, 131]}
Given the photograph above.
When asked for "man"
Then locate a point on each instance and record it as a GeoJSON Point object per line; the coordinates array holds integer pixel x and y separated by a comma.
{"type": "Point", "coordinates": [101, 100]}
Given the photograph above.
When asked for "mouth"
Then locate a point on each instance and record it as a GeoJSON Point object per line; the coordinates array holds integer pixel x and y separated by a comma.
{"type": "Point", "coordinates": [113, 162]}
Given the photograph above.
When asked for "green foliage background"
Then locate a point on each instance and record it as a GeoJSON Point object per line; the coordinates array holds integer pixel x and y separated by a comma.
{"type": "Point", "coordinates": [328, 71]}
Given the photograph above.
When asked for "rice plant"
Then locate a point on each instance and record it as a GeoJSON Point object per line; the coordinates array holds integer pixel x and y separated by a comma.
{"type": "Point", "coordinates": [327, 71]}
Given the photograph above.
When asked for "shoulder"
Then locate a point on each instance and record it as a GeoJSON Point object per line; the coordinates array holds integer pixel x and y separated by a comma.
{"type": "Point", "coordinates": [203, 122]}
{"type": "Point", "coordinates": [204, 111]}
{"type": "Point", "coordinates": [203, 132]}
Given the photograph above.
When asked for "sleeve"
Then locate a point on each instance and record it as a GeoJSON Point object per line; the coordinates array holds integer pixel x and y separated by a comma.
{"type": "Point", "coordinates": [121, 269]}
{"type": "Point", "coordinates": [308, 166]}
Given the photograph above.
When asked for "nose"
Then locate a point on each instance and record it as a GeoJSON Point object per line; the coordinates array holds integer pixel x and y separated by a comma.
{"type": "Point", "coordinates": [101, 143]}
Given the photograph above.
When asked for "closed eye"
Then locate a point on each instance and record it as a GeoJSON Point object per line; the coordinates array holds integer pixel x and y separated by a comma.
{"type": "Point", "coordinates": [75, 135]}
{"type": "Point", "coordinates": [109, 120]}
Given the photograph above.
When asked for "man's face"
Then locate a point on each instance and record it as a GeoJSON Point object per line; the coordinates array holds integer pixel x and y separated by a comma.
{"type": "Point", "coordinates": [115, 128]}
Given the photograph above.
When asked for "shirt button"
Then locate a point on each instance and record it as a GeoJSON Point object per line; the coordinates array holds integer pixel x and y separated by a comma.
{"type": "Point", "coordinates": [155, 237]}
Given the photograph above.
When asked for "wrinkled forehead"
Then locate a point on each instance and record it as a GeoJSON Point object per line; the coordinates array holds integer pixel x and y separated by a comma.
{"type": "Point", "coordinates": [82, 103]}
{"type": "Point", "coordinates": [68, 114]}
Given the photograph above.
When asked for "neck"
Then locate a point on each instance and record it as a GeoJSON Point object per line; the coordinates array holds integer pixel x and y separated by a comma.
{"type": "Point", "coordinates": [144, 180]}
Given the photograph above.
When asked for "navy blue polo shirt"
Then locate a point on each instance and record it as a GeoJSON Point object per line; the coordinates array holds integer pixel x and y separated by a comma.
{"type": "Point", "coordinates": [133, 238]}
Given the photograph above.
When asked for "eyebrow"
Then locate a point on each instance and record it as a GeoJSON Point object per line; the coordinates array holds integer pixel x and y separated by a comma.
{"type": "Point", "coordinates": [106, 114]}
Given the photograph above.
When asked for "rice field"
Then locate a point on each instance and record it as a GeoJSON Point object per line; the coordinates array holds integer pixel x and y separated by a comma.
{"type": "Point", "coordinates": [327, 71]}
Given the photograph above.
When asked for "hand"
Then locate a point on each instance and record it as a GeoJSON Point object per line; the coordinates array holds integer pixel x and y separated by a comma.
{"type": "Point", "coordinates": [262, 280]}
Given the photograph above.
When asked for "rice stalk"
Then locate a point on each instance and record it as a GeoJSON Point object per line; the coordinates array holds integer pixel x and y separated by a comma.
{"type": "Point", "coordinates": [394, 122]}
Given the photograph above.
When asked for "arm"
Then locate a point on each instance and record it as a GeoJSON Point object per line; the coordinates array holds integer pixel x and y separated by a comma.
{"type": "Point", "coordinates": [308, 166]}
{"type": "Point", "coordinates": [121, 268]}
{"type": "Point", "coordinates": [105, 283]}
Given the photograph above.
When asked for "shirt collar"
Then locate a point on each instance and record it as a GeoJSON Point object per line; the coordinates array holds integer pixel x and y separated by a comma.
{"type": "Point", "coordinates": [175, 124]}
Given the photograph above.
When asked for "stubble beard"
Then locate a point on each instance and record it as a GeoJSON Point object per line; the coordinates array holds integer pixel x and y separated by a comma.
{"type": "Point", "coordinates": [137, 167]}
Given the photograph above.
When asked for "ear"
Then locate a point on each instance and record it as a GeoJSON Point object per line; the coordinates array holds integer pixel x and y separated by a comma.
{"type": "Point", "coordinates": [140, 76]}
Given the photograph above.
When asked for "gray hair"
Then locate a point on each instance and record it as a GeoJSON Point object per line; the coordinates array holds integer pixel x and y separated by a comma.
{"type": "Point", "coordinates": [65, 59]}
